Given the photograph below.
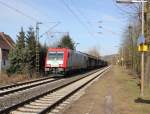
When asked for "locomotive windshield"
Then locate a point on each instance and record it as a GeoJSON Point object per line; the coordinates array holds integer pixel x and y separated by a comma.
{"type": "Point", "coordinates": [60, 55]}
{"type": "Point", "coordinates": [55, 55]}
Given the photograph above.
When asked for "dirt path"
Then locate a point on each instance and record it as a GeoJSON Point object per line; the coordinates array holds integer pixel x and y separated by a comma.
{"type": "Point", "coordinates": [115, 93]}
{"type": "Point", "coordinates": [98, 98]}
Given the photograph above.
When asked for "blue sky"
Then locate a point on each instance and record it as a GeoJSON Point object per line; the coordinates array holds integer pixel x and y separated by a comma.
{"type": "Point", "coordinates": [82, 22]}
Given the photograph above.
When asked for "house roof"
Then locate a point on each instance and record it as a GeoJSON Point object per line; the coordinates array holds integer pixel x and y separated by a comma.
{"type": "Point", "coordinates": [6, 41]}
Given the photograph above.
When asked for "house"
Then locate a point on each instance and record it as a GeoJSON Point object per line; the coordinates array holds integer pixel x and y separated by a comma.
{"type": "Point", "coordinates": [6, 43]}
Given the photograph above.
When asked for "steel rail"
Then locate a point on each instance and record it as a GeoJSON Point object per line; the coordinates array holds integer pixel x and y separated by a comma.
{"type": "Point", "coordinates": [22, 83]}
{"type": "Point", "coordinates": [26, 86]}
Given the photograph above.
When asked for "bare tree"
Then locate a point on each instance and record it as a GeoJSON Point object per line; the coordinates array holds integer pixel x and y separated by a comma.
{"type": "Point", "coordinates": [94, 52]}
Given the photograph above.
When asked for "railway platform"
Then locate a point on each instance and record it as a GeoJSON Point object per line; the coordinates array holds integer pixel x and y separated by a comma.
{"type": "Point", "coordinates": [116, 92]}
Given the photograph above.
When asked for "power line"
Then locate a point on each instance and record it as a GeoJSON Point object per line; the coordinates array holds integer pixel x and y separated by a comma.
{"type": "Point", "coordinates": [76, 16]}
{"type": "Point", "coordinates": [50, 29]}
{"type": "Point", "coordinates": [84, 16]}
{"type": "Point", "coordinates": [127, 12]}
{"type": "Point", "coordinates": [18, 11]}
{"type": "Point", "coordinates": [81, 13]}
{"type": "Point", "coordinates": [36, 9]}
{"type": "Point", "coordinates": [22, 13]}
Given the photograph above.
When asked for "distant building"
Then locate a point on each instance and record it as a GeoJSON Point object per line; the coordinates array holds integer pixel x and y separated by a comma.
{"type": "Point", "coordinates": [6, 43]}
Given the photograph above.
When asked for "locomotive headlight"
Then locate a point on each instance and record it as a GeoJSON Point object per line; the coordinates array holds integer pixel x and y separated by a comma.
{"type": "Point", "coordinates": [60, 65]}
{"type": "Point", "coordinates": [48, 65]}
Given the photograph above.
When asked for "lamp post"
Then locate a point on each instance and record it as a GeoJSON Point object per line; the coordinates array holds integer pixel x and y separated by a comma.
{"type": "Point", "coordinates": [142, 34]}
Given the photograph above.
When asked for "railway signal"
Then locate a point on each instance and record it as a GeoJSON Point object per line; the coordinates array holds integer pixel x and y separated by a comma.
{"type": "Point", "coordinates": [143, 48]}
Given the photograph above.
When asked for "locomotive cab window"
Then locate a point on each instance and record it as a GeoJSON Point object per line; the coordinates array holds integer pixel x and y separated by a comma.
{"type": "Point", "coordinates": [52, 55]}
{"type": "Point", "coordinates": [60, 55]}
{"type": "Point", "coordinates": [55, 55]}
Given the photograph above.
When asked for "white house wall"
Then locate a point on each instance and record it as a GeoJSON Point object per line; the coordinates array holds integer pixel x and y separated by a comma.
{"type": "Point", "coordinates": [3, 61]}
{"type": "Point", "coordinates": [0, 59]}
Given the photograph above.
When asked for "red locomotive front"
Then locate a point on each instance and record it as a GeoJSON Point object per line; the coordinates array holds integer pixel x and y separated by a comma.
{"type": "Point", "coordinates": [56, 60]}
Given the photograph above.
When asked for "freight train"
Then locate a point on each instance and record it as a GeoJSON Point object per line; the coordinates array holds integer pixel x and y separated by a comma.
{"type": "Point", "coordinates": [64, 60]}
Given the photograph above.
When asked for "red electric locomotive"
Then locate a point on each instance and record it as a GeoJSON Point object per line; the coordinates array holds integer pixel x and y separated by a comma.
{"type": "Point", "coordinates": [62, 60]}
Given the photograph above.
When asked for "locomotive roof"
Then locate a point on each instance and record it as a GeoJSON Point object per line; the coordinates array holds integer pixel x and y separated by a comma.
{"type": "Point", "coordinates": [91, 56]}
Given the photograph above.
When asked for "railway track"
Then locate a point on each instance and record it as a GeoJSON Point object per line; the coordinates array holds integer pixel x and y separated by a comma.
{"type": "Point", "coordinates": [45, 102]}
{"type": "Point", "coordinates": [10, 89]}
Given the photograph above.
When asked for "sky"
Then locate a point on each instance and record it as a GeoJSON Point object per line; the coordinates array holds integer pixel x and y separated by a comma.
{"type": "Point", "coordinates": [91, 23]}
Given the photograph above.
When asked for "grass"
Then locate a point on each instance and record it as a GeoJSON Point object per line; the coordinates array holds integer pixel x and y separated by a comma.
{"type": "Point", "coordinates": [128, 93]}
{"type": "Point", "coordinates": [5, 79]}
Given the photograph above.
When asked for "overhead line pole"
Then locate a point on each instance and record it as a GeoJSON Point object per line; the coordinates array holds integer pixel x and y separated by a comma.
{"type": "Point", "coordinates": [37, 48]}
{"type": "Point", "coordinates": [122, 56]}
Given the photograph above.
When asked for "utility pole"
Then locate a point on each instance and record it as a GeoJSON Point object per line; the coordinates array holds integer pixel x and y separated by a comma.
{"type": "Point", "coordinates": [132, 46]}
{"type": "Point", "coordinates": [37, 48]}
{"type": "Point", "coordinates": [142, 55]}
{"type": "Point", "coordinates": [122, 57]}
